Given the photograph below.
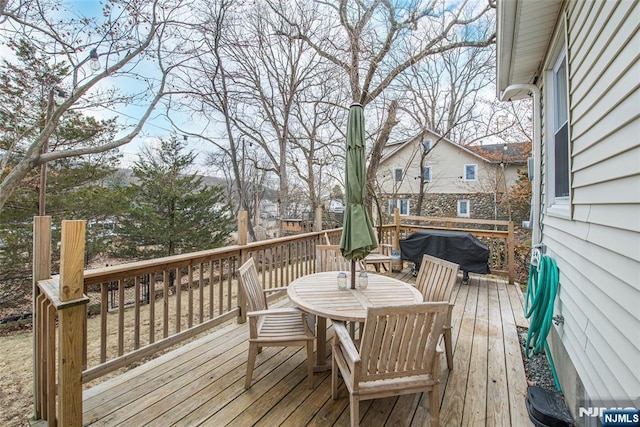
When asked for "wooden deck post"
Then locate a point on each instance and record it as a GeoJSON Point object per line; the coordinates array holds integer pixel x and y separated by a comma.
{"type": "Point", "coordinates": [318, 223]}
{"type": "Point", "coordinates": [71, 318]}
{"type": "Point", "coordinates": [41, 271]}
{"type": "Point", "coordinates": [242, 227]}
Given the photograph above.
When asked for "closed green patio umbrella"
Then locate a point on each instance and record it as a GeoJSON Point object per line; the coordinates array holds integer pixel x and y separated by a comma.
{"type": "Point", "coordinates": [358, 238]}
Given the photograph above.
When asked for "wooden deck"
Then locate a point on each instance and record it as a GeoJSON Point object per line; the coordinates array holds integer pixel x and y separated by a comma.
{"type": "Point", "coordinates": [202, 383]}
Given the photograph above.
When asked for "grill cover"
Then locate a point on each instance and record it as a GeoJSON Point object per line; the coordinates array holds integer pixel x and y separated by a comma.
{"type": "Point", "coordinates": [456, 246]}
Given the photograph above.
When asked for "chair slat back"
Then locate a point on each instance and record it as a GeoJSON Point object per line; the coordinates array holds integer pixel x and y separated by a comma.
{"type": "Point", "coordinates": [436, 278]}
{"type": "Point", "coordinates": [400, 341]}
{"type": "Point", "coordinates": [251, 287]}
{"type": "Point", "coordinates": [329, 258]}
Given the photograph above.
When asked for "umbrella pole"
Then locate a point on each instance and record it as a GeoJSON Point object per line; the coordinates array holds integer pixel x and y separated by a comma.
{"type": "Point", "coordinates": [353, 274]}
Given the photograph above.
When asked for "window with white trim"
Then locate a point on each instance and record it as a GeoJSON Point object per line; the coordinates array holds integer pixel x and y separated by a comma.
{"type": "Point", "coordinates": [470, 172]}
{"type": "Point", "coordinates": [426, 173]}
{"type": "Point", "coordinates": [402, 204]}
{"type": "Point", "coordinates": [463, 208]}
{"type": "Point", "coordinates": [397, 174]}
{"type": "Point", "coordinates": [558, 163]}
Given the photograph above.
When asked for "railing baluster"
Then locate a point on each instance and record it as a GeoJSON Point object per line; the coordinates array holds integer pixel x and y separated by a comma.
{"type": "Point", "coordinates": [201, 291]}
{"type": "Point", "coordinates": [136, 313]}
{"type": "Point", "coordinates": [230, 263]}
{"type": "Point", "coordinates": [190, 320]}
{"type": "Point", "coordinates": [51, 363]}
{"type": "Point", "coordinates": [152, 307]}
{"type": "Point", "coordinates": [42, 338]}
{"type": "Point", "coordinates": [165, 301]}
{"type": "Point", "coordinates": [120, 317]}
{"type": "Point", "coordinates": [104, 309]}
{"type": "Point", "coordinates": [178, 293]}
{"type": "Point", "coordinates": [211, 290]}
{"type": "Point", "coordinates": [220, 287]}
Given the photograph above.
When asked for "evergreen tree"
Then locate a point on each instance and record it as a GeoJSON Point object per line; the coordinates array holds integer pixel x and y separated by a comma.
{"type": "Point", "coordinates": [78, 189]}
{"type": "Point", "coordinates": [171, 210]}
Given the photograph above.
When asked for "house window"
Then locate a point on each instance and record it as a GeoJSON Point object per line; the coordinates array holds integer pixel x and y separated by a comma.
{"type": "Point", "coordinates": [397, 174]}
{"type": "Point", "coordinates": [426, 173]}
{"type": "Point", "coordinates": [558, 165]}
{"type": "Point", "coordinates": [470, 172]}
{"type": "Point", "coordinates": [402, 204]}
{"type": "Point", "coordinates": [463, 208]}
{"type": "Point", "coordinates": [426, 145]}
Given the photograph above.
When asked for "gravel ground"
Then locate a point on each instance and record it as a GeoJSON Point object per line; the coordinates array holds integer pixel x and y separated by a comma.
{"type": "Point", "coordinates": [536, 368]}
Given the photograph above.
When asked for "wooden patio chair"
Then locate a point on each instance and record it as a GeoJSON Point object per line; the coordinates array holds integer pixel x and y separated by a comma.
{"type": "Point", "coordinates": [380, 257]}
{"type": "Point", "coordinates": [329, 258]}
{"type": "Point", "coordinates": [397, 355]}
{"type": "Point", "coordinates": [435, 281]}
{"type": "Point", "coordinates": [272, 327]}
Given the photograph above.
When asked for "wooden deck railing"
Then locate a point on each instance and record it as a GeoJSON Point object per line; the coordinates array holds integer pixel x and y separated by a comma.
{"type": "Point", "coordinates": [151, 305]}
{"type": "Point", "coordinates": [497, 235]}
{"type": "Point", "coordinates": [147, 306]}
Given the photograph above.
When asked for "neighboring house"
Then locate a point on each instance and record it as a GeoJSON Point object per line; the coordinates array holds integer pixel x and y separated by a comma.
{"type": "Point", "coordinates": [458, 180]}
{"type": "Point", "coordinates": [579, 62]}
{"type": "Point", "coordinates": [335, 206]}
{"type": "Point", "coordinates": [268, 209]}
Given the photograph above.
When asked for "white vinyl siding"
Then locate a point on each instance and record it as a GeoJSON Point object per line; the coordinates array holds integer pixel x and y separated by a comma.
{"type": "Point", "coordinates": [446, 159]}
{"type": "Point", "coordinates": [598, 248]}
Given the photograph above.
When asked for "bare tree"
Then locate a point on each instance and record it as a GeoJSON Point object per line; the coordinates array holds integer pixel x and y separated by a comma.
{"type": "Point", "coordinates": [267, 76]}
{"type": "Point", "coordinates": [316, 140]}
{"type": "Point", "coordinates": [445, 96]}
{"type": "Point", "coordinates": [444, 93]}
{"type": "Point", "coordinates": [375, 42]}
{"type": "Point", "coordinates": [100, 58]}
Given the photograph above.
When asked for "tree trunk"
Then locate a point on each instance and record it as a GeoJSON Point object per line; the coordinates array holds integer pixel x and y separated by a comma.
{"type": "Point", "coordinates": [376, 150]}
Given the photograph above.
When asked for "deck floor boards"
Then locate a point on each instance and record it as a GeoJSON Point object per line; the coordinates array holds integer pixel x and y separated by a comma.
{"type": "Point", "coordinates": [202, 383]}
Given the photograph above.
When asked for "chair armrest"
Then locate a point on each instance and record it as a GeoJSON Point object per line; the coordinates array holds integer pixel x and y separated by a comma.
{"type": "Point", "coordinates": [447, 323]}
{"type": "Point", "coordinates": [275, 312]}
{"type": "Point", "coordinates": [281, 288]}
{"type": "Point", "coordinates": [341, 332]}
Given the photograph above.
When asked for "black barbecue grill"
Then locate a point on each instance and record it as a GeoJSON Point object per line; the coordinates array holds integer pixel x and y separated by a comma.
{"type": "Point", "coordinates": [456, 246]}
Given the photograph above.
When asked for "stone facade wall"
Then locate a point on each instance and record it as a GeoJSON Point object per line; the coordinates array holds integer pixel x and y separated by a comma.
{"type": "Point", "coordinates": [481, 205]}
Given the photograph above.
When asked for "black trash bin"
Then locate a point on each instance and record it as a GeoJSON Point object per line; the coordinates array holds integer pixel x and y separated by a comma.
{"type": "Point", "coordinates": [546, 408]}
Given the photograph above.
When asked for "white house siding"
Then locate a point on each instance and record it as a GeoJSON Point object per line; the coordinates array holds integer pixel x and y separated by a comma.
{"type": "Point", "coordinates": [447, 168]}
{"type": "Point", "coordinates": [598, 249]}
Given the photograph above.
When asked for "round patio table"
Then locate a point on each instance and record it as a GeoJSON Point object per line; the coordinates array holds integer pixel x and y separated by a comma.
{"type": "Point", "coordinates": [319, 294]}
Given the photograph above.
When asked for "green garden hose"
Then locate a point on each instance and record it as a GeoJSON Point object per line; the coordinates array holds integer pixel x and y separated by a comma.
{"type": "Point", "coordinates": [542, 288]}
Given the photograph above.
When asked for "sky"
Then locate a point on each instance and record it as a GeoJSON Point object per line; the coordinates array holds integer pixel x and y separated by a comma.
{"type": "Point", "coordinates": [156, 126]}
